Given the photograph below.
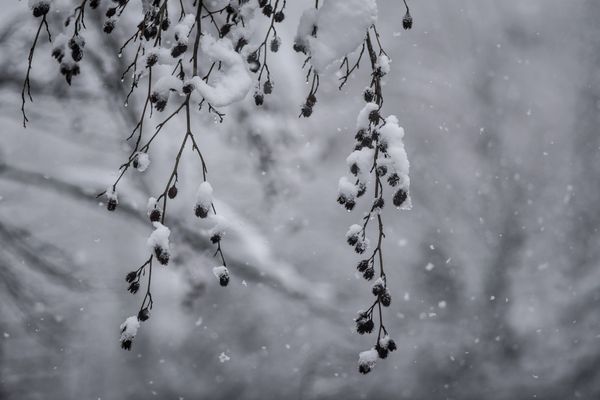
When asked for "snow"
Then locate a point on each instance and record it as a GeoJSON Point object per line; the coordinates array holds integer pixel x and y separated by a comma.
{"type": "Point", "coordinates": [368, 357]}
{"type": "Point", "coordinates": [183, 29]}
{"type": "Point", "coordinates": [333, 43]}
{"type": "Point", "coordinates": [383, 62]}
{"type": "Point", "coordinates": [354, 229]}
{"type": "Point", "coordinates": [392, 134]}
{"type": "Point", "coordinates": [234, 82]}
{"type": "Point", "coordinates": [346, 188]}
{"type": "Point", "coordinates": [383, 342]}
{"type": "Point", "coordinates": [165, 84]}
{"type": "Point", "coordinates": [111, 194]}
{"type": "Point", "coordinates": [308, 21]}
{"type": "Point", "coordinates": [143, 161]}
{"type": "Point", "coordinates": [363, 158]}
{"type": "Point", "coordinates": [362, 121]}
{"type": "Point", "coordinates": [129, 328]}
{"type": "Point", "coordinates": [220, 271]}
{"type": "Point", "coordinates": [159, 238]}
{"type": "Point", "coordinates": [204, 195]}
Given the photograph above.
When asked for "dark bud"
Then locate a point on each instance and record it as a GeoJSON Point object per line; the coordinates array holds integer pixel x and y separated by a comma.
{"type": "Point", "coordinates": [126, 344]}
{"type": "Point", "coordinates": [161, 104]}
{"type": "Point", "coordinates": [58, 53]}
{"type": "Point", "coordinates": [360, 135]}
{"type": "Point", "coordinates": [279, 16]}
{"type": "Point", "coordinates": [374, 116]}
{"type": "Point", "coordinates": [391, 345]}
{"type": "Point", "coordinates": [298, 48]}
{"type": "Point", "coordinates": [131, 276]}
{"type": "Point", "coordinates": [187, 89]}
{"type": "Point", "coordinates": [362, 189]}
{"type": "Point", "coordinates": [381, 351]}
{"type": "Point", "coordinates": [262, 3]}
{"type": "Point", "coordinates": [267, 10]}
{"type": "Point", "coordinates": [200, 211]}
{"type": "Point", "coordinates": [352, 240]}
{"type": "Point", "coordinates": [275, 45]}
{"type": "Point", "coordinates": [364, 369]}
{"type": "Point", "coordinates": [311, 100]}
{"type": "Point", "coordinates": [216, 238]}
{"type": "Point", "coordinates": [385, 299]}
{"type": "Point", "coordinates": [368, 95]}
{"type": "Point", "coordinates": [229, 9]}
{"type": "Point", "coordinates": [268, 87]}
{"type": "Point", "coordinates": [155, 215]}
{"type": "Point", "coordinates": [407, 21]}
{"type": "Point", "coordinates": [150, 32]}
{"type": "Point", "coordinates": [306, 110]}
{"type": "Point", "coordinates": [76, 51]}
{"type": "Point", "coordinates": [381, 170]}
{"type": "Point", "coordinates": [108, 26]}
{"type": "Point", "coordinates": [252, 57]}
{"type": "Point", "coordinates": [360, 246]}
{"type": "Point", "coordinates": [364, 326]}
{"type": "Point", "coordinates": [178, 50]}
{"type": "Point", "coordinates": [172, 192]}
{"type": "Point", "coordinates": [383, 146]}
{"type": "Point", "coordinates": [161, 255]}
{"type": "Point", "coordinates": [165, 24]}
{"type": "Point", "coordinates": [144, 314]}
{"type": "Point", "coordinates": [400, 197]}
{"type": "Point", "coordinates": [341, 199]}
{"type": "Point", "coordinates": [224, 280]}
{"type": "Point", "coordinates": [369, 273]}
{"type": "Point", "coordinates": [362, 266]}
{"type": "Point", "coordinates": [94, 4]}
{"type": "Point", "coordinates": [151, 60]}
{"type": "Point", "coordinates": [111, 205]}
{"type": "Point", "coordinates": [240, 44]}
{"type": "Point", "coordinates": [41, 9]}
{"type": "Point", "coordinates": [111, 12]}
{"type": "Point", "coordinates": [354, 169]}
{"type": "Point", "coordinates": [225, 30]}
{"type": "Point", "coordinates": [379, 203]}
{"type": "Point", "coordinates": [378, 289]}
{"type": "Point", "coordinates": [367, 142]}
{"type": "Point", "coordinates": [350, 203]}
{"type": "Point", "coordinates": [259, 99]}
{"type": "Point", "coordinates": [134, 287]}
{"type": "Point", "coordinates": [393, 179]}
{"type": "Point", "coordinates": [77, 54]}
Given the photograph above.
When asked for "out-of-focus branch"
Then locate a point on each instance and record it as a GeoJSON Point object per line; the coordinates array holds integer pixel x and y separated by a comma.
{"type": "Point", "coordinates": [296, 288]}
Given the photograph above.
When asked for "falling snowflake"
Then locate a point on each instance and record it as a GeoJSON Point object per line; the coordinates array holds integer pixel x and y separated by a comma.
{"type": "Point", "coordinates": [224, 357]}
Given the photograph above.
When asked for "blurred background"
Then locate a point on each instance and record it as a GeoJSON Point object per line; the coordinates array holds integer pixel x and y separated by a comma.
{"type": "Point", "coordinates": [494, 273]}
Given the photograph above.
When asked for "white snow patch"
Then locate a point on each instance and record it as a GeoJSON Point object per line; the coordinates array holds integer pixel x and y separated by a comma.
{"type": "Point", "coordinates": [234, 82]}
{"type": "Point", "coordinates": [341, 28]}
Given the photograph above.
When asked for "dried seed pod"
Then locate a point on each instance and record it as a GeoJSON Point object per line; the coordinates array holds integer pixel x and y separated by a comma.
{"type": "Point", "coordinates": [407, 21]}
{"type": "Point", "coordinates": [172, 193]}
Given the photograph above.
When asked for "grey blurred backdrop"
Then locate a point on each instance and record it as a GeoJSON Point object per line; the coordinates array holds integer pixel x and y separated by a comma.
{"type": "Point", "coordinates": [501, 105]}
